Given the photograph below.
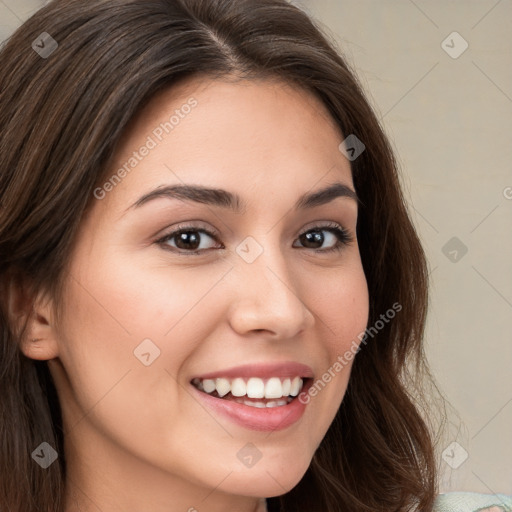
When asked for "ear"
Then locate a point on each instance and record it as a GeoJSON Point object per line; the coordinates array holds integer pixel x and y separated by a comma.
{"type": "Point", "coordinates": [38, 340]}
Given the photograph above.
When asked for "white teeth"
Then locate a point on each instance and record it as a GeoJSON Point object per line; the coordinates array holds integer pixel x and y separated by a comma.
{"type": "Point", "coordinates": [260, 405]}
{"type": "Point", "coordinates": [238, 387]}
{"type": "Point", "coordinates": [296, 386]}
{"type": "Point", "coordinates": [273, 388]}
{"type": "Point", "coordinates": [209, 385]}
{"type": "Point", "coordinates": [287, 384]}
{"type": "Point", "coordinates": [223, 386]}
{"type": "Point", "coordinates": [255, 388]}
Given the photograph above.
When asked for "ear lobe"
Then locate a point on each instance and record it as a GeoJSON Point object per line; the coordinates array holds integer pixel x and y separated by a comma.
{"type": "Point", "coordinates": [31, 320]}
{"type": "Point", "coordinates": [39, 341]}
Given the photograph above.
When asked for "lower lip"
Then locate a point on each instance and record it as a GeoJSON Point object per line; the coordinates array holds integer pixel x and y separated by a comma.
{"type": "Point", "coordinates": [267, 419]}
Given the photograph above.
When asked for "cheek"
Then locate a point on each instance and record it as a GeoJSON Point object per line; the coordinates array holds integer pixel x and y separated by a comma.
{"type": "Point", "coordinates": [341, 303]}
{"type": "Point", "coordinates": [107, 316]}
{"type": "Point", "coordinates": [342, 308]}
{"type": "Point", "coordinates": [119, 305]}
{"type": "Point", "coordinates": [121, 314]}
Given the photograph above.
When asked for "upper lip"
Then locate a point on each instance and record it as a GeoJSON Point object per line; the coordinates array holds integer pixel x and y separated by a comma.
{"type": "Point", "coordinates": [267, 370]}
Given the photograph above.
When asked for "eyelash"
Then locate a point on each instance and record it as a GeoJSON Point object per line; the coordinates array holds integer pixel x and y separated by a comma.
{"type": "Point", "coordinates": [344, 238]}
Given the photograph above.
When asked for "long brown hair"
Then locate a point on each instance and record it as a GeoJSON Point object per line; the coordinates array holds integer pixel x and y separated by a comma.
{"type": "Point", "coordinates": [61, 117]}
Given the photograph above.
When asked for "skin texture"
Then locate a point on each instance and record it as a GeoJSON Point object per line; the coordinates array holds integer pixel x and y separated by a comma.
{"type": "Point", "coordinates": [136, 438]}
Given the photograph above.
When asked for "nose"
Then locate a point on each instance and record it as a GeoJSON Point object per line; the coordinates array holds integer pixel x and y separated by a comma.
{"type": "Point", "coordinates": [268, 298]}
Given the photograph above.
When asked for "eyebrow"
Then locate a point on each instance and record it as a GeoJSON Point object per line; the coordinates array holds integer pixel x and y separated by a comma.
{"type": "Point", "coordinates": [232, 201]}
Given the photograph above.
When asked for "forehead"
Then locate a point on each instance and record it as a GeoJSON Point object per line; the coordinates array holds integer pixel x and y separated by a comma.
{"type": "Point", "coordinates": [236, 97]}
{"type": "Point", "coordinates": [243, 135]}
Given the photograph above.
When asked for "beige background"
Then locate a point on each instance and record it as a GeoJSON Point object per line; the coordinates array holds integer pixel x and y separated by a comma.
{"type": "Point", "coordinates": [450, 120]}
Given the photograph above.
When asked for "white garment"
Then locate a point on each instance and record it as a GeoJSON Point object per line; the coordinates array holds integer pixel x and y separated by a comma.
{"type": "Point", "coordinates": [473, 502]}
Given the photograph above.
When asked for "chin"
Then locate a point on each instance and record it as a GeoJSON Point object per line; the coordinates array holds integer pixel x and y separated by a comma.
{"type": "Point", "coordinates": [266, 480]}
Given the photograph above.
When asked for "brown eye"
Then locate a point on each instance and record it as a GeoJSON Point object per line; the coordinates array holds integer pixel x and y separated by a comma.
{"type": "Point", "coordinates": [314, 238]}
{"type": "Point", "coordinates": [187, 239]}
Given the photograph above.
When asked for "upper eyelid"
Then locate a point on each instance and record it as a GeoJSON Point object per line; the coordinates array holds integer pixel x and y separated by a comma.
{"type": "Point", "coordinates": [316, 224]}
{"type": "Point", "coordinates": [190, 227]}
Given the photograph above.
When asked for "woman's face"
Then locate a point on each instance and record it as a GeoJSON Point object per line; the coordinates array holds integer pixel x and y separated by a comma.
{"type": "Point", "coordinates": [274, 294]}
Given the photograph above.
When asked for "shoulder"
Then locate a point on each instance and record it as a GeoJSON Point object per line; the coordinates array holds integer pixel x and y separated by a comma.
{"type": "Point", "coordinates": [473, 502]}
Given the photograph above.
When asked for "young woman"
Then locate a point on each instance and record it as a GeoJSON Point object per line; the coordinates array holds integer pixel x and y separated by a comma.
{"type": "Point", "coordinates": [212, 296]}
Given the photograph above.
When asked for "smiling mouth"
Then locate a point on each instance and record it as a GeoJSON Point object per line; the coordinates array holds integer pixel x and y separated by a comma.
{"type": "Point", "coordinates": [253, 391]}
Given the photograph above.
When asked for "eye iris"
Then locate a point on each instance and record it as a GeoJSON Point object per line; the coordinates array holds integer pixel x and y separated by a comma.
{"type": "Point", "coordinates": [313, 237]}
{"type": "Point", "coordinates": [189, 238]}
